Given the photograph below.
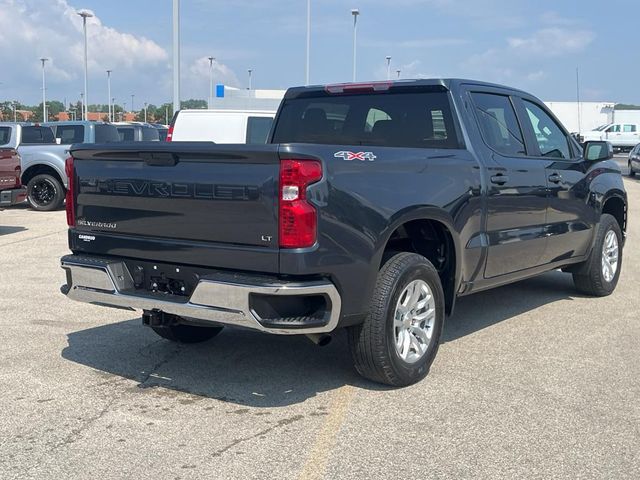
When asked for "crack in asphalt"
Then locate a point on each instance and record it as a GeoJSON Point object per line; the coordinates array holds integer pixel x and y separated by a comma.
{"type": "Point", "coordinates": [167, 358]}
{"type": "Point", "coordinates": [281, 423]}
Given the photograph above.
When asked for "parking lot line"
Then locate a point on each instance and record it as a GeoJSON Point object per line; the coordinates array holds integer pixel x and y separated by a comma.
{"type": "Point", "coordinates": [318, 456]}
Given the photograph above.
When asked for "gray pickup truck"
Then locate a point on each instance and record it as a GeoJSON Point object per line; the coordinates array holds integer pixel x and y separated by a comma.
{"type": "Point", "coordinates": [372, 207]}
{"type": "Point", "coordinates": [43, 149]}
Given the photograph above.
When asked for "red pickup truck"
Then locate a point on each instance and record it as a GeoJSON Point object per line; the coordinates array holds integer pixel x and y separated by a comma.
{"type": "Point", "coordinates": [11, 190]}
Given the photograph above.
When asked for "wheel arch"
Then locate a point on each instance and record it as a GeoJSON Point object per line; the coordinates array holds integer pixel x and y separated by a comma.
{"type": "Point", "coordinates": [428, 231]}
{"type": "Point", "coordinates": [43, 168]}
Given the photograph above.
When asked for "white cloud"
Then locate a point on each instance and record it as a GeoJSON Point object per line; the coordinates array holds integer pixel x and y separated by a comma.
{"type": "Point", "coordinates": [552, 42]}
{"type": "Point", "coordinates": [30, 29]}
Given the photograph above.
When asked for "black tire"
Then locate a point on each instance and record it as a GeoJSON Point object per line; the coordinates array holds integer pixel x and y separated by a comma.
{"type": "Point", "coordinates": [631, 172]}
{"type": "Point", "coordinates": [45, 193]}
{"type": "Point", "coordinates": [589, 279]}
{"type": "Point", "coordinates": [187, 333]}
{"type": "Point", "coordinates": [372, 343]}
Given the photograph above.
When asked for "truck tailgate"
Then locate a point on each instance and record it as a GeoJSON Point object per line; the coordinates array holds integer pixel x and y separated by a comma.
{"type": "Point", "coordinates": [192, 200]}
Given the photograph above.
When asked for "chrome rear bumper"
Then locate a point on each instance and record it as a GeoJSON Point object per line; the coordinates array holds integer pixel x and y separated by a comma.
{"type": "Point", "coordinates": [218, 300]}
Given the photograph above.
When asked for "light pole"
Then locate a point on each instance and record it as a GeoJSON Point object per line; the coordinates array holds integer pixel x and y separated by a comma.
{"type": "Point", "coordinates": [109, 94]}
{"type": "Point", "coordinates": [306, 70]}
{"type": "Point", "coordinates": [250, 71]}
{"type": "Point", "coordinates": [82, 117]}
{"type": "Point", "coordinates": [166, 115]}
{"type": "Point", "coordinates": [145, 112]}
{"type": "Point", "coordinates": [355, 12]}
{"type": "Point", "coordinates": [14, 112]}
{"type": "Point", "coordinates": [388, 57]}
{"type": "Point", "coordinates": [398, 72]}
{"type": "Point", "coordinates": [85, 14]}
{"type": "Point", "coordinates": [211, 60]}
{"type": "Point", "coordinates": [113, 108]}
{"type": "Point", "coordinates": [44, 88]}
{"type": "Point", "coordinates": [176, 55]}
{"type": "Point", "coordinates": [132, 95]}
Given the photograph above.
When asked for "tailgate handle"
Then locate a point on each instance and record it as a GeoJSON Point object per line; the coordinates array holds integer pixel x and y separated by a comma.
{"type": "Point", "coordinates": [159, 159]}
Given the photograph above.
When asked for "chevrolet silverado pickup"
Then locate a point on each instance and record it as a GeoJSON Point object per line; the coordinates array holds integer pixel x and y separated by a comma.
{"type": "Point", "coordinates": [372, 208]}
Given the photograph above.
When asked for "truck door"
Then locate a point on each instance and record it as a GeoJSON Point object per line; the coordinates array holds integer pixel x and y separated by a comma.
{"type": "Point", "coordinates": [570, 219]}
{"type": "Point", "coordinates": [613, 134]}
{"type": "Point", "coordinates": [516, 196]}
{"type": "Point", "coordinates": [629, 137]}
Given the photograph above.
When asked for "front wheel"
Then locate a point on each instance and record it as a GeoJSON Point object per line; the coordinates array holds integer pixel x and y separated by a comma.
{"type": "Point", "coordinates": [45, 192]}
{"type": "Point", "coordinates": [399, 339]}
{"type": "Point", "coordinates": [600, 273]}
{"type": "Point", "coordinates": [631, 172]}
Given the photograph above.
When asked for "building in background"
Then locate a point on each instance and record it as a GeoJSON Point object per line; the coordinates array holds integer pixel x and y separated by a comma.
{"type": "Point", "coordinates": [589, 116]}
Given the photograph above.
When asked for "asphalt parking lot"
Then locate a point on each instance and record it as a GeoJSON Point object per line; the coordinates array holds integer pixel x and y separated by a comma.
{"type": "Point", "coordinates": [532, 381]}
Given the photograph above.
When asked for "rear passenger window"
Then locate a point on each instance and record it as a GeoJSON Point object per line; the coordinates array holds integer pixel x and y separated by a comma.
{"type": "Point", "coordinates": [37, 135]}
{"type": "Point", "coordinates": [373, 116]}
{"type": "Point", "coordinates": [498, 123]}
{"type": "Point", "coordinates": [5, 135]}
{"type": "Point", "coordinates": [552, 141]}
{"type": "Point", "coordinates": [150, 134]}
{"type": "Point", "coordinates": [258, 129]}
{"type": "Point", "coordinates": [629, 128]}
{"type": "Point", "coordinates": [70, 134]}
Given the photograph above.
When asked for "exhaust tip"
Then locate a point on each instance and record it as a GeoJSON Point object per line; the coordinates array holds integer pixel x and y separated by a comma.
{"type": "Point", "coordinates": [320, 339]}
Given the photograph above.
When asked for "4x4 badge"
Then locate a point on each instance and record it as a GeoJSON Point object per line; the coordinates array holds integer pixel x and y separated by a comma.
{"type": "Point", "coordinates": [362, 156]}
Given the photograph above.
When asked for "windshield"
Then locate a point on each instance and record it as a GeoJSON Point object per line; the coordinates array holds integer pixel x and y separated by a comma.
{"type": "Point", "coordinates": [601, 127]}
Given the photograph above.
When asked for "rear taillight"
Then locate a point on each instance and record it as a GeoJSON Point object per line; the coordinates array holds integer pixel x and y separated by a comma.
{"type": "Point", "coordinates": [297, 217]}
{"type": "Point", "coordinates": [69, 199]}
{"type": "Point", "coordinates": [169, 133]}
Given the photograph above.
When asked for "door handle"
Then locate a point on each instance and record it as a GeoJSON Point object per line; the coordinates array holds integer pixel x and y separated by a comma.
{"type": "Point", "coordinates": [555, 178]}
{"type": "Point", "coordinates": [499, 179]}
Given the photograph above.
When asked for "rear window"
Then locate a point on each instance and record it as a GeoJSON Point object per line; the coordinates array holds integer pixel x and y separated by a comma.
{"type": "Point", "coordinates": [150, 134]}
{"type": "Point", "coordinates": [70, 134]}
{"type": "Point", "coordinates": [162, 134]}
{"type": "Point", "coordinates": [5, 135]}
{"type": "Point", "coordinates": [106, 133]}
{"type": "Point", "coordinates": [258, 129]}
{"type": "Point", "coordinates": [415, 120]}
{"type": "Point", "coordinates": [125, 134]}
{"type": "Point", "coordinates": [37, 135]}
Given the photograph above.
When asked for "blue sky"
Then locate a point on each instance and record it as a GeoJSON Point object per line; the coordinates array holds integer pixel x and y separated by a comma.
{"type": "Point", "coordinates": [535, 46]}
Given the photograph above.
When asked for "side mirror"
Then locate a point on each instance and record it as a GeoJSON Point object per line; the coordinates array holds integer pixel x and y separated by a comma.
{"type": "Point", "coordinates": [598, 151]}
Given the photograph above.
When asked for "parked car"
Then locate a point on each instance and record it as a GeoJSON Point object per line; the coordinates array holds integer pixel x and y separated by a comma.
{"type": "Point", "coordinates": [162, 131]}
{"type": "Point", "coordinates": [11, 190]}
{"type": "Point", "coordinates": [137, 132]}
{"type": "Point", "coordinates": [623, 136]}
{"type": "Point", "coordinates": [71, 132]}
{"type": "Point", "coordinates": [634, 161]}
{"type": "Point", "coordinates": [221, 126]}
{"type": "Point", "coordinates": [42, 162]}
{"type": "Point", "coordinates": [373, 207]}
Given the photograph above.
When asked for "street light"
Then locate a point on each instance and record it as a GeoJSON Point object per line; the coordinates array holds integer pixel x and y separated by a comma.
{"type": "Point", "coordinates": [398, 72]}
{"type": "Point", "coordinates": [44, 88]}
{"type": "Point", "coordinates": [249, 71]}
{"type": "Point", "coordinates": [132, 95]}
{"type": "Point", "coordinates": [82, 117]}
{"type": "Point", "coordinates": [306, 70]}
{"type": "Point", "coordinates": [388, 57]}
{"type": "Point", "coordinates": [109, 94]}
{"type": "Point", "coordinates": [85, 14]}
{"type": "Point", "coordinates": [355, 12]}
{"type": "Point", "coordinates": [176, 55]}
{"type": "Point", "coordinates": [211, 60]}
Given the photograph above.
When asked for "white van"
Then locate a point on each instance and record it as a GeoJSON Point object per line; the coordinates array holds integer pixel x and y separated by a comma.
{"type": "Point", "coordinates": [221, 126]}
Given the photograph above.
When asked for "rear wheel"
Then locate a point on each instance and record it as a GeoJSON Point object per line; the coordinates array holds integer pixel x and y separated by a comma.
{"type": "Point", "coordinates": [399, 339]}
{"type": "Point", "coordinates": [601, 271]}
{"type": "Point", "coordinates": [45, 192]}
{"type": "Point", "coordinates": [187, 333]}
{"type": "Point", "coordinates": [631, 172]}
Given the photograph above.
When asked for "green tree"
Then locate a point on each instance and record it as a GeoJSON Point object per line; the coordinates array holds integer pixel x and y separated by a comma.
{"type": "Point", "coordinates": [193, 103]}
